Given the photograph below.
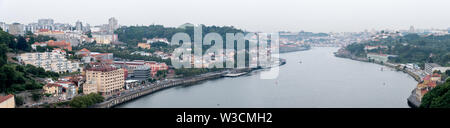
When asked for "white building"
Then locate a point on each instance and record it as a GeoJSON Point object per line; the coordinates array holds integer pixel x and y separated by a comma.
{"type": "Point", "coordinates": [104, 38]}
{"type": "Point", "coordinates": [50, 61]}
{"type": "Point", "coordinates": [16, 29]}
{"type": "Point", "coordinates": [142, 53]}
{"type": "Point", "coordinates": [4, 26]}
{"type": "Point", "coordinates": [112, 25]}
{"type": "Point", "coordinates": [431, 67]}
{"type": "Point", "coordinates": [164, 40]}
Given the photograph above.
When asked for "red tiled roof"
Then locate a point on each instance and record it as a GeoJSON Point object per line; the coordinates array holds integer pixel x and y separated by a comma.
{"type": "Point", "coordinates": [428, 77]}
{"type": "Point", "coordinates": [84, 50]}
{"type": "Point", "coordinates": [436, 75]}
{"type": "Point", "coordinates": [43, 30]}
{"type": "Point", "coordinates": [101, 54]}
{"type": "Point", "coordinates": [64, 82]}
{"type": "Point", "coordinates": [52, 85]}
{"type": "Point", "coordinates": [4, 98]}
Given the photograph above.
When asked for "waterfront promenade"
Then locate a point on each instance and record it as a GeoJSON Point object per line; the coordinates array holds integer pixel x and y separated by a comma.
{"type": "Point", "coordinates": [153, 87]}
{"type": "Point", "coordinates": [149, 88]}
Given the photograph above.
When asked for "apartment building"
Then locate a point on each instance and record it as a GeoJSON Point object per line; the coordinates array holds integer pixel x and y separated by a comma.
{"type": "Point", "coordinates": [104, 79]}
{"type": "Point", "coordinates": [133, 65]}
{"type": "Point", "coordinates": [50, 61]}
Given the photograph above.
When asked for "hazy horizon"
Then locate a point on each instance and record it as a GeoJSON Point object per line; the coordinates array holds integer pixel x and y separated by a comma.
{"type": "Point", "coordinates": [251, 15]}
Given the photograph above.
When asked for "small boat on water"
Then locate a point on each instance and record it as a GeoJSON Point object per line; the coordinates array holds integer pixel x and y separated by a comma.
{"type": "Point", "coordinates": [234, 74]}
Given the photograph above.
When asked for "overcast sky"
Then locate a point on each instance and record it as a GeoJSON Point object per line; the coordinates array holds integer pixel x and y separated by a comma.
{"type": "Point", "coordinates": [252, 15]}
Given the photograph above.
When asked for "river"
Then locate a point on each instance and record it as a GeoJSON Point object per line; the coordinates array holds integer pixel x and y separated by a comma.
{"type": "Point", "coordinates": [321, 80]}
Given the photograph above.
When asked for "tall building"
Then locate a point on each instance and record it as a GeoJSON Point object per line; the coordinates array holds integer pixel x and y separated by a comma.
{"type": "Point", "coordinates": [113, 25]}
{"type": "Point", "coordinates": [412, 30]}
{"type": "Point", "coordinates": [4, 26]}
{"type": "Point", "coordinates": [32, 27]}
{"type": "Point", "coordinates": [87, 27]}
{"type": "Point", "coordinates": [79, 26]}
{"type": "Point", "coordinates": [45, 22]}
{"type": "Point", "coordinates": [104, 79]}
{"type": "Point", "coordinates": [16, 29]}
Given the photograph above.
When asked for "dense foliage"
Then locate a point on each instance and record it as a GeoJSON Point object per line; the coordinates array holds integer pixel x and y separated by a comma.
{"type": "Point", "coordinates": [410, 48]}
{"type": "Point", "coordinates": [356, 49]}
{"type": "Point", "coordinates": [86, 100]}
{"type": "Point", "coordinates": [134, 34]}
{"type": "Point", "coordinates": [119, 52]}
{"type": "Point", "coordinates": [438, 97]}
{"type": "Point", "coordinates": [14, 77]}
{"type": "Point", "coordinates": [38, 38]}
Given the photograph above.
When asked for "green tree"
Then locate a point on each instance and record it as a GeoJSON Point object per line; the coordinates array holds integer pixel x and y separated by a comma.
{"type": "Point", "coordinates": [8, 77]}
{"type": "Point", "coordinates": [36, 96]}
{"type": "Point", "coordinates": [18, 100]}
{"type": "Point", "coordinates": [22, 44]}
{"type": "Point", "coordinates": [438, 97]}
{"type": "Point", "coordinates": [86, 100]}
{"type": "Point", "coordinates": [7, 39]}
{"type": "Point", "coordinates": [3, 56]}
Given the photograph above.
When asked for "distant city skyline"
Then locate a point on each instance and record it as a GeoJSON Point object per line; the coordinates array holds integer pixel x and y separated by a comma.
{"type": "Point", "coordinates": [251, 15]}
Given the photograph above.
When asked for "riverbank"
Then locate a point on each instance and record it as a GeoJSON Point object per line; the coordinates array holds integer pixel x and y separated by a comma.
{"type": "Point", "coordinates": [293, 49]}
{"type": "Point", "coordinates": [155, 87]}
{"type": "Point", "coordinates": [391, 65]}
{"type": "Point", "coordinates": [412, 100]}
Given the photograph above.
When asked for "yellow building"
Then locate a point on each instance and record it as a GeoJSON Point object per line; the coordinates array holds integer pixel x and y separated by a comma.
{"type": "Point", "coordinates": [104, 79]}
{"type": "Point", "coordinates": [436, 77]}
{"type": "Point", "coordinates": [7, 101]}
{"type": "Point", "coordinates": [53, 89]}
{"type": "Point", "coordinates": [144, 45]}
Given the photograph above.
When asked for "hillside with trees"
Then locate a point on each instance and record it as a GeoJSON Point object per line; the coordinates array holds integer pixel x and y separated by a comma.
{"type": "Point", "coordinates": [439, 97]}
{"type": "Point", "coordinates": [410, 48]}
{"type": "Point", "coordinates": [14, 77]}
{"type": "Point", "coordinates": [134, 34]}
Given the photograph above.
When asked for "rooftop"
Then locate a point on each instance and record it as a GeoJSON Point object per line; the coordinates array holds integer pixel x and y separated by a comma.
{"type": "Point", "coordinates": [84, 50]}
{"type": "Point", "coordinates": [4, 98]}
{"type": "Point", "coordinates": [436, 75]}
{"type": "Point", "coordinates": [101, 67]}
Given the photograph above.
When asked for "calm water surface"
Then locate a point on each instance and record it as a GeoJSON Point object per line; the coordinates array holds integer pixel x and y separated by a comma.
{"type": "Point", "coordinates": [319, 81]}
